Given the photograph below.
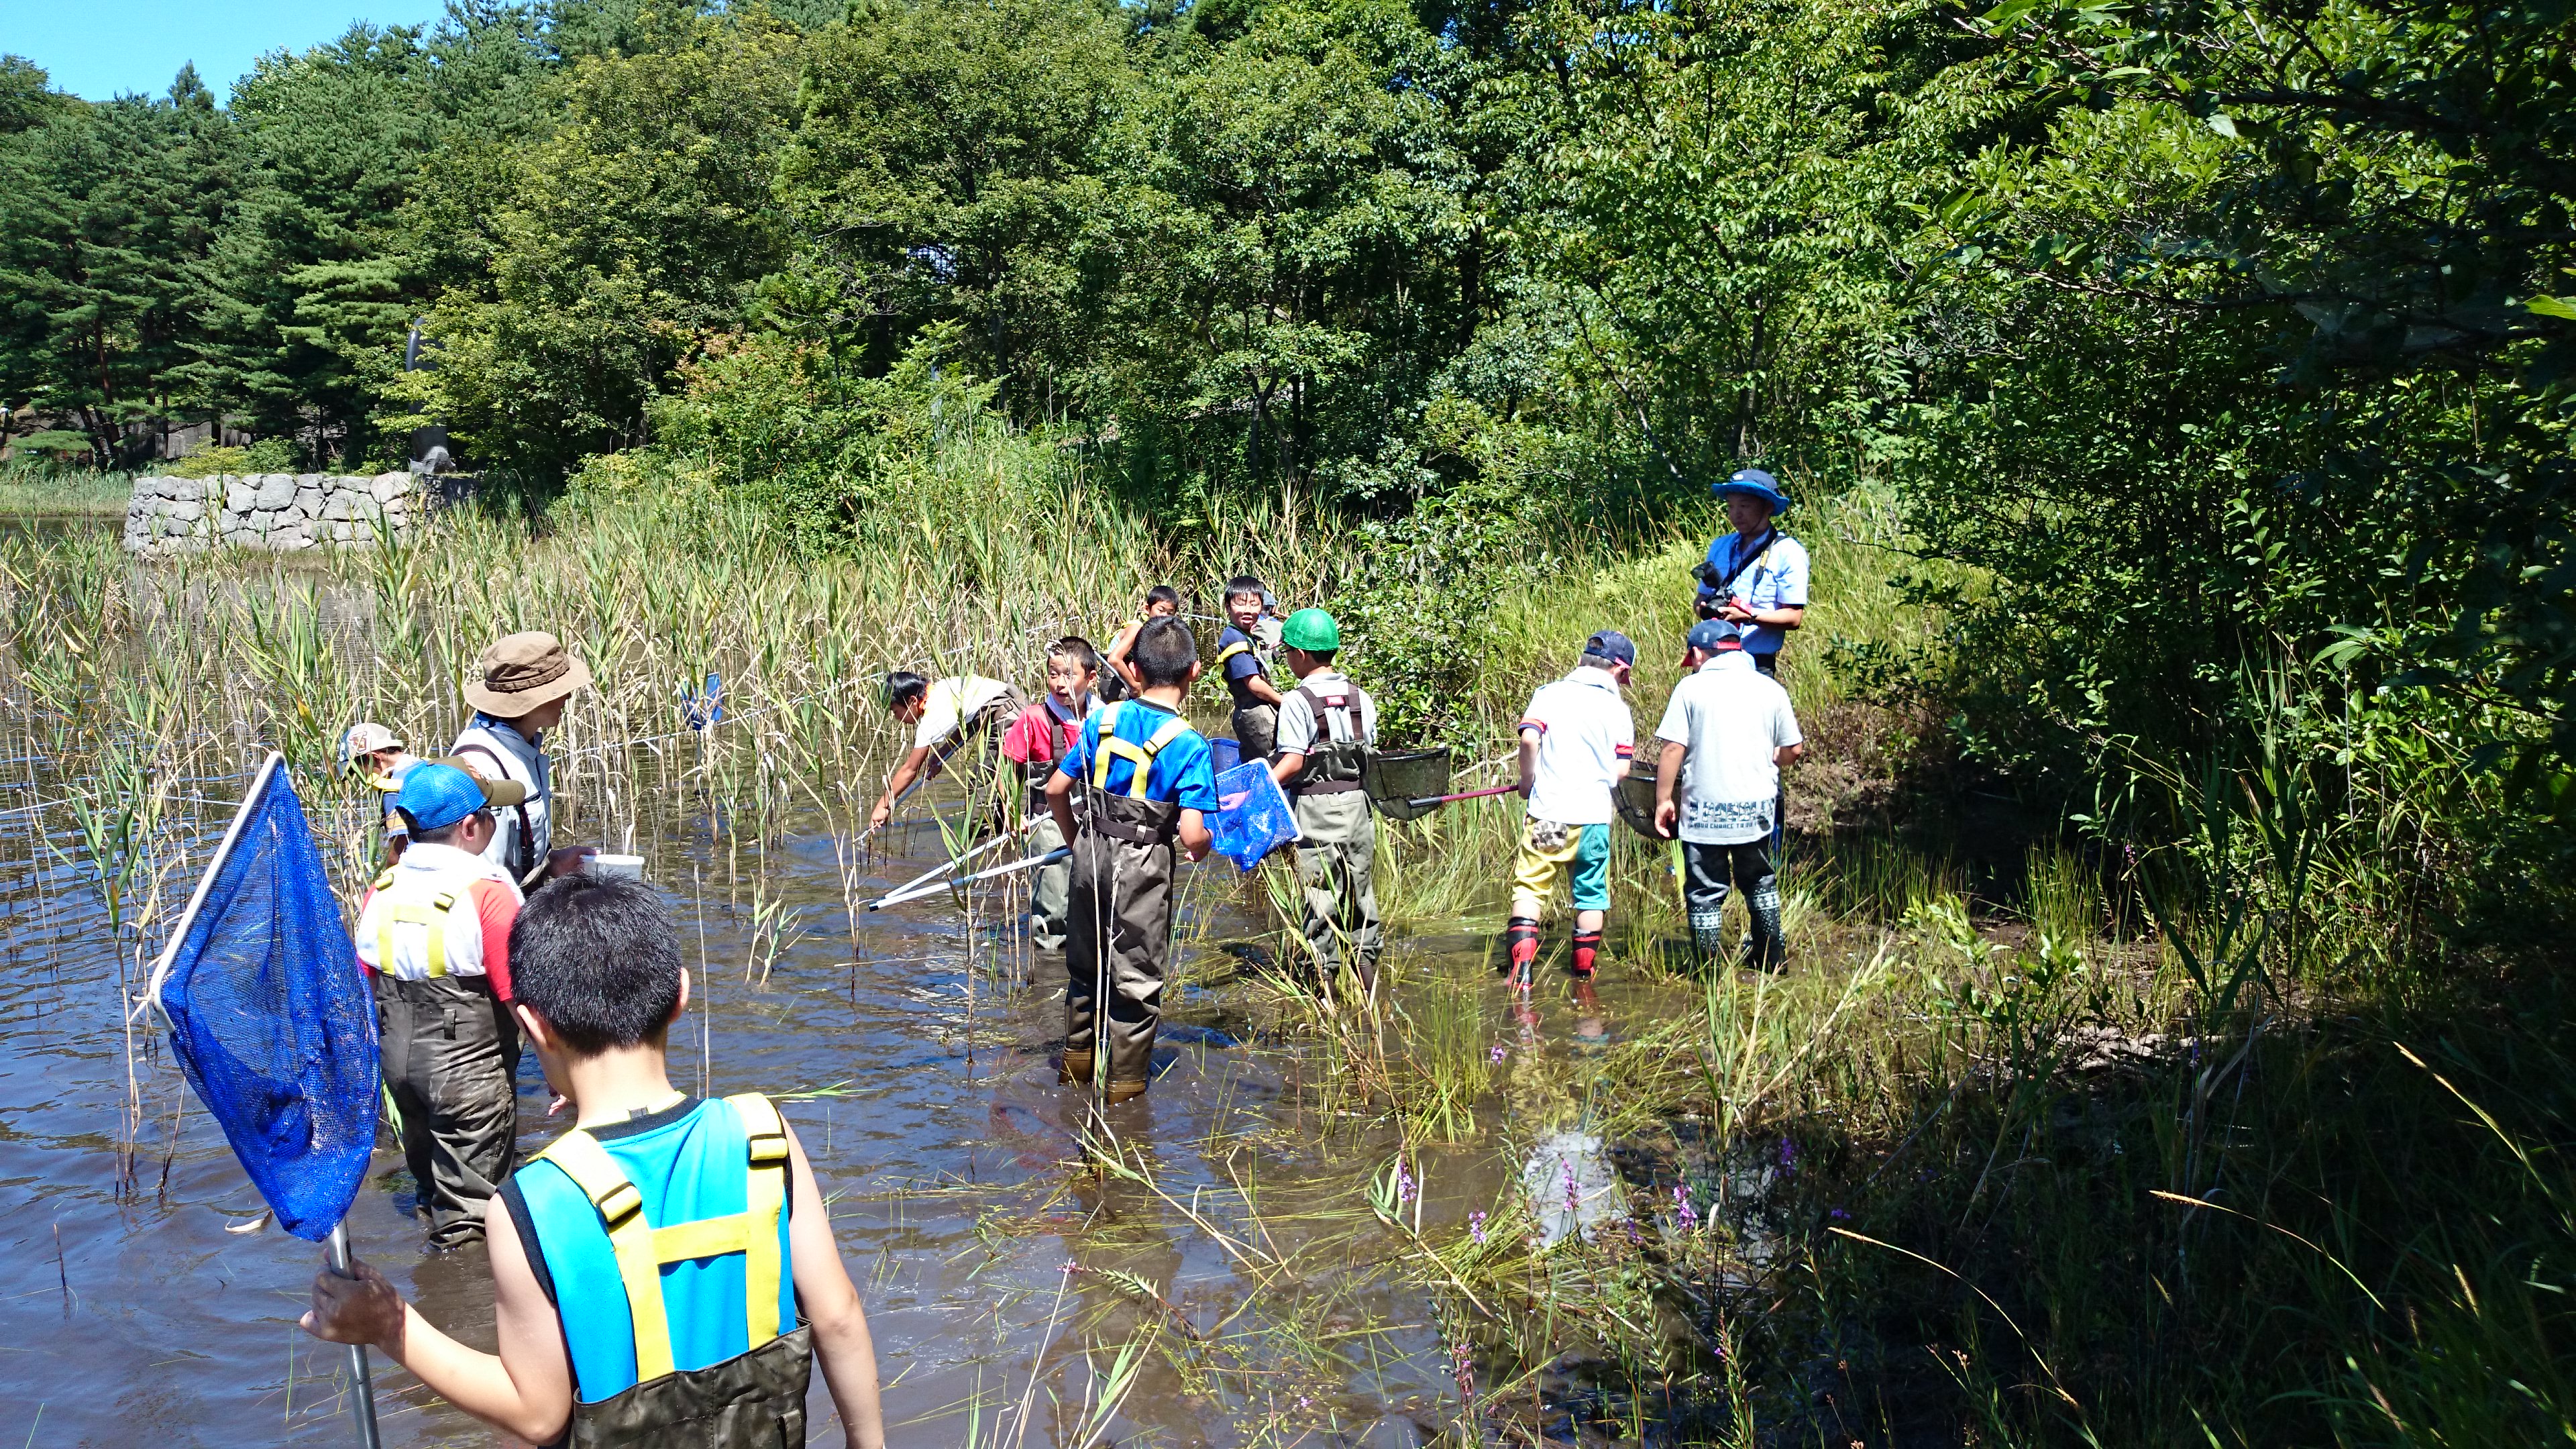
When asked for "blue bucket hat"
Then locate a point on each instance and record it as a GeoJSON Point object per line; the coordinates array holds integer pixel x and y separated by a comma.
{"type": "Point", "coordinates": [434, 796]}
{"type": "Point", "coordinates": [1758, 484]}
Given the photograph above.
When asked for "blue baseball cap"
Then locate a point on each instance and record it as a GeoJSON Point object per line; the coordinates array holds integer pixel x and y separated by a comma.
{"type": "Point", "coordinates": [1710, 635]}
{"type": "Point", "coordinates": [1612, 645]}
{"type": "Point", "coordinates": [436, 794]}
{"type": "Point", "coordinates": [1756, 483]}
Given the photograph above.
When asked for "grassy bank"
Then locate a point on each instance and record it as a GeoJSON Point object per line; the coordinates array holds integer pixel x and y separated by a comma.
{"type": "Point", "coordinates": [44, 492]}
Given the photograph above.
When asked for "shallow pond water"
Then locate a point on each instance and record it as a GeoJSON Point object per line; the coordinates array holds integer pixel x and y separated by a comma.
{"type": "Point", "coordinates": [917, 1055]}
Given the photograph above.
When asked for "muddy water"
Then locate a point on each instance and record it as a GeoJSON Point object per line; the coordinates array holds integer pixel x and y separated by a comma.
{"type": "Point", "coordinates": [919, 1067]}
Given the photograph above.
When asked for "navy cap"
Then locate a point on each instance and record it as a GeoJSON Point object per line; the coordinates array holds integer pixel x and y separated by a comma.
{"type": "Point", "coordinates": [435, 796]}
{"type": "Point", "coordinates": [1612, 645]}
{"type": "Point", "coordinates": [1710, 635]}
{"type": "Point", "coordinates": [1757, 483]}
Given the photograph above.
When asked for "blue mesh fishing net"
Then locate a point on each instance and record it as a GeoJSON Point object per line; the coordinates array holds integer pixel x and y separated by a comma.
{"type": "Point", "coordinates": [1228, 753]}
{"type": "Point", "coordinates": [271, 1019]}
{"type": "Point", "coordinates": [1252, 817]}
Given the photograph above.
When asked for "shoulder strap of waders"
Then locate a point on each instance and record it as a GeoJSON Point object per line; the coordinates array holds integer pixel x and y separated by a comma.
{"type": "Point", "coordinates": [1239, 646]}
{"type": "Point", "coordinates": [764, 1198]}
{"type": "Point", "coordinates": [431, 917]}
{"type": "Point", "coordinates": [527, 834]}
{"type": "Point", "coordinates": [1140, 755]}
{"type": "Point", "coordinates": [643, 1250]}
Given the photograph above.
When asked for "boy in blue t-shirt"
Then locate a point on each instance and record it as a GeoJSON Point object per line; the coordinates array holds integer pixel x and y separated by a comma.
{"type": "Point", "coordinates": [1241, 659]}
{"type": "Point", "coordinates": [1147, 779]}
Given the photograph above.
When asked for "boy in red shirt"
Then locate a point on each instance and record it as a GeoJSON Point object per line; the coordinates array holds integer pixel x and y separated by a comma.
{"type": "Point", "coordinates": [1036, 738]}
{"type": "Point", "coordinates": [435, 934]}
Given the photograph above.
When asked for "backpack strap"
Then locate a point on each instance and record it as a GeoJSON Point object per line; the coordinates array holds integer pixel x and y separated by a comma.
{"type": "Point", "coordinates": [643, 1250]}
{"type": "Point", "coordinates": [1239, 646]}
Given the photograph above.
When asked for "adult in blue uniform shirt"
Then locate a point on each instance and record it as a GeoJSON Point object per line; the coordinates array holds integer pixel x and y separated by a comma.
{"type": "Point", "coordinates": [1756, 577]}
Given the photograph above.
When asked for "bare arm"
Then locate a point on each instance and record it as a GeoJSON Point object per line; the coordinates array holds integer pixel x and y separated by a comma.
{"type": "Point", "coordinates": [904, 774]}
{"type": "Point", "coordinates": [1059, 795]}
{"type": "Point", "coordinates": [1195, 838]}
{"type": "Point", "coordinates": [1788, 755]}
{"type": "Point", "coordinates": [1117, 656]}
{"type": "Point", "coordinates": [525, 1390]}
{"type": "Point", "coordinates": [1668, 774]}
{"type": "Point", "coordinates": [1286, 767]}
{"type": "Point", "coordinates": [1529, 761]}
{"type": "Point", "coordinates": [828, 1300]}
{"type": "Point", "coordinates": [1260, 688]}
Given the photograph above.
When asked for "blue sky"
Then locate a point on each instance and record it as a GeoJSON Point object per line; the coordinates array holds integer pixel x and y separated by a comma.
{"type": "Point", "coordinates": [98, 48]}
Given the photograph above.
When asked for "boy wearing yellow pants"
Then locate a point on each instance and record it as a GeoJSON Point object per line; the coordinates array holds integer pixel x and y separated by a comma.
{"type": "Point", "coordinates": [1576, 741]}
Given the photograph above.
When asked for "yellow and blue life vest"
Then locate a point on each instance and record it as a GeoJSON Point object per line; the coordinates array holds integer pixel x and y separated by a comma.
{"type": "Point", "coordinates": [680, 1227]}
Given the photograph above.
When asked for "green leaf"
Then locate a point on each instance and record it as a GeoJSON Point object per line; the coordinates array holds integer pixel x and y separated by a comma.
{"type": "Point", "coordinates": [2558, 307]}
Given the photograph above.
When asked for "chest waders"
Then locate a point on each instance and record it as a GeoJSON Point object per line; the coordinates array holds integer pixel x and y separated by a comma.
{"type": "Point", "coordinates": [1126, 845]}
{"type": "Point", "coordinates": [1337, 851]}
{"type": "Point", "coordinates": [754, 1400]}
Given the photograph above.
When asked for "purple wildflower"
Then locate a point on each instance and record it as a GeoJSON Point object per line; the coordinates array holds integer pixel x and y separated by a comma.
{"type": "Point", "coordinates": [1573, 1195]}
{"type": "Point", "coordinates": [1403, 1182]}
{"type": "Point", "coordinates": [1682, 1209]}
{"type": "Point", "coordinates": [1788, 1155]}
{"type": "Point", "coordinates": [1840, 1216]}
{"type": "Point", "coordinates": [1462, 1364]}
{"type": "Point", "coordinates": [1476, 1226]}
{"type": "Point", "coordinates": [1499, 1053]}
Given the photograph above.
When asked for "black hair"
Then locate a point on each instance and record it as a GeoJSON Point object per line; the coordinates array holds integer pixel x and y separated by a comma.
{"type": "Point", "coordinates": [598, 957]}
{"type": "Point", "coordinates": [1598, 661]}
{"type": "Point", "coordinates": [1163, 652]}
{"type": "Point", "coordinates": [902, 685]}
{"type": "Point", "coordinates": [1246, 584]}
{"type": "Point", "coordinates": [1077, 649]}
{"type": "Point", "coordinates": [1162, 594]}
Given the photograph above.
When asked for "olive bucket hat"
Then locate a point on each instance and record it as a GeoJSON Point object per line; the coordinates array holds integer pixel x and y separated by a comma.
{"type": "Point", "coordinates": [523, 672]}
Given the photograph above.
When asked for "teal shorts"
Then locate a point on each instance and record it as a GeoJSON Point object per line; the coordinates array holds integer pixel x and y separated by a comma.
{"type": "Point", "coordinates": [1587, 854]}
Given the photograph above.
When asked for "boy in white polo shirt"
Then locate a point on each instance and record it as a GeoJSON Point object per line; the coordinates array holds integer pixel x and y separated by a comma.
{"type": "Point", "coordinates": [1726, 733]}
{"type": "Point", "coordinates": [1576, 741]}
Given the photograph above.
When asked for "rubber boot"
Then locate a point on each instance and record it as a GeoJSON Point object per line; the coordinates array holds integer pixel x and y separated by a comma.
{"type": "Point", "coordinates": [1587, 948]}
{"type": "Point", "coordinates": [1075, 1069]}
{"type": "Point", "coordinates": [1708, 927]}
{"type": "Point", "coordinates": [1125, 1092]}
{"type": "Point", "coordinates": [1521, 935]}
{"type": "Point", "coordinates": [1767, 948]}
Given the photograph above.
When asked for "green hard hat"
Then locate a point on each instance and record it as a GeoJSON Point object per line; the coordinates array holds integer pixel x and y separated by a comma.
{"type": "Point", "coordinates": [1312, 630]}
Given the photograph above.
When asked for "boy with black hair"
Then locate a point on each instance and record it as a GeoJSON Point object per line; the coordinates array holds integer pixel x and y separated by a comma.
{"type": "Point", "coordinates": [665, 1272]}
{"type": "Point", "coordinates": [963, 712]}
{"type": "Point", "coordinates": [1162, 601]}
{"type": "Point", "coordinates": [1576, 741]}
{"type": "Point", "coordinates": [1036, 738]}
{"type": "Point", "coordinates": [1240, 660]}
{"type": "Point", "coordinates": [1326, 727]}
{"type": "Point", "coordinates": [1147, 779]}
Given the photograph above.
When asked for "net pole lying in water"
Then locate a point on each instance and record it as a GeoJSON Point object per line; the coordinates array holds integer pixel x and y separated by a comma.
{"type": "Point", "coordinates": [362, 1398]}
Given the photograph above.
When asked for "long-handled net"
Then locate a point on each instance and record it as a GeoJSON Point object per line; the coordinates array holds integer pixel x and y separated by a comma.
{"type": "Point", "coordinates": [274, 1026]}
{"type": "Point", "coordinates": [1396, 781]}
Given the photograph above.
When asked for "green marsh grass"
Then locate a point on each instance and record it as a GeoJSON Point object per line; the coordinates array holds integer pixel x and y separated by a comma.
{"type": "Point", "coordinates": [2350, 1246]}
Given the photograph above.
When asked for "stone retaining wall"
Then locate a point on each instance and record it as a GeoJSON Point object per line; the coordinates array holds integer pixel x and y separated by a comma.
{"type": "Point", "coordinates": [281, 512]}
